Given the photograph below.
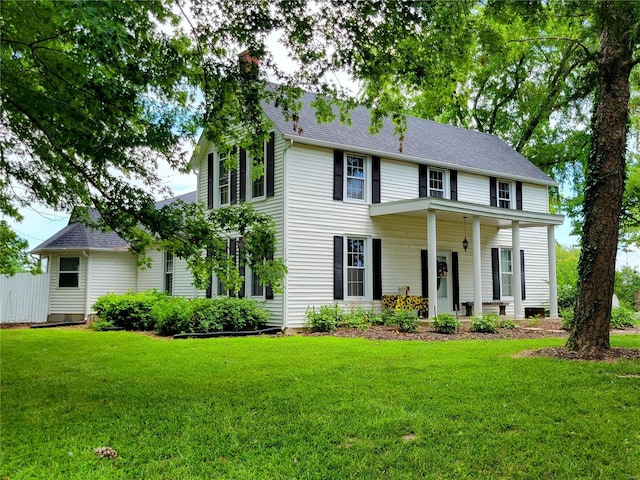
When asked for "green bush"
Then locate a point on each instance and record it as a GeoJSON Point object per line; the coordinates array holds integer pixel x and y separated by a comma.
{"type": "Point", "coordinates": [446, 323]}
{"type": "Point", "coordinates": [325, 319]}
{"type": "Point", "coordinates": [206, 315]}
{"type": "Point", "coordinates": [357, 317]}
{"type": "Point", "coordinates": [507, 323]}
{"type": "Point", "coordinates": [100, 325]}
{"type": "Point", "coordinates": [484, 323]}
{"type": "Point", "coordinates": [567, 317]}
{"type": "Point", "coordinates": [407, 321]}
{"type": "Point", "coordinates": [622, 317]}
{"type": "Point", "coordinates": [131, 311]}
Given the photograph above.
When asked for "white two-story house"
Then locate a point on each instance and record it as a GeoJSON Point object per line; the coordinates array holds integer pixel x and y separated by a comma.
{"type": "Point", "coordinates": [454, 215]}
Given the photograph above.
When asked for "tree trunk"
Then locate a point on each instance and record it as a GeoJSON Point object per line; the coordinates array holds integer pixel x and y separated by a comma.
{"type": "Point", "coordinates": [605, 179]}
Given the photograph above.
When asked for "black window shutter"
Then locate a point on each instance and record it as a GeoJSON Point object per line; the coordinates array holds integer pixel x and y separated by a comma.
{"type": "Point", "coordinates": [495, 270]}
{"type": "Point", "coordinates": [210, 181]}
{"type": "Point", "coordinates": [209, 292]}
{"type": "Point", "coordinates": [424, 263]}
{"type": "Point", "coordinates": [268, 290]}
{"type": "Point", "coordinates": [453, 184]}
{"type": "Point", "coordinates": [243, 174]}
{"type": "Point", "coordinates": [377, 269]}
{"type": "Point", "coordinates": [271, 165]}
{"type": "Point", "coordinates": [423, 173]}
{"type": "Point", "coordinates": [455, 278]}
{"type": "Point", "coordinates": [493, 191]}
{"type": "Point", "coordinates": [232, 253]}
{"type": "Point", "coordinates": [375, 180]}
{"type": "Point", "coordinates": [522, 282]}
{"type": "Point", "coordinates": [338, 268]}
{"type": "Point", "coordinates": [519, 195]}
{"type": "Point", "coordinates": [338, 166]}
{"type": "Point", "coordinates": [241, 269]}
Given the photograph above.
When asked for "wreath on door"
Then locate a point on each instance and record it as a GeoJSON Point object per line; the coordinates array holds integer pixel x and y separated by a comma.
{"type": "Point", "coordinates": [442, 270]}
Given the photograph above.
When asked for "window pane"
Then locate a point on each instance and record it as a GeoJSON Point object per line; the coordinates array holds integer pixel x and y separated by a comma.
{"type": "Point", "coordinates": [223, 181]}
{"type": "Point", "coordinates": [69, 264]}
{"type": "Point", "coordinates": [257, 290]}
{"type": "Point", "coordinates": [355, 177]}
{"type": "Point", "coordinates": [355, 267]}
{"type": "Point", "coordinates": [257, 185]}
{"type": "Point", "coordinates": [507, 289]}
{"type": "Point", "coordinates": [505, 261]}
{"type": "Point", "coordinates": [436, 183]}
{"type": "Point", "coordinates": [68, 280]}
{"type": "Point", "coordinates": [504, 194]}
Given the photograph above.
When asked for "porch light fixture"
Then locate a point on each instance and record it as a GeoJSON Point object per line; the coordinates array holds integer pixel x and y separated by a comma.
{"type": "Point", "coordinates": [465, 242]}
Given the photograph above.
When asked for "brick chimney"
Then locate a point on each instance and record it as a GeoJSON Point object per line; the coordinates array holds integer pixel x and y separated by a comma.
{"type": "Point", "coordinates": [250, 63]}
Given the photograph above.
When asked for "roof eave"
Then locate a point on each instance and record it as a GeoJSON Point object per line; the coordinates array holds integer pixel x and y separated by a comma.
{"type": "Point", "coordinates": [408, 158]}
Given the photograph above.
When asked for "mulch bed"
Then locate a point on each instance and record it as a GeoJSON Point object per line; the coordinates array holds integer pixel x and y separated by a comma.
{"type": "Point", "coordinates": [545, 329]}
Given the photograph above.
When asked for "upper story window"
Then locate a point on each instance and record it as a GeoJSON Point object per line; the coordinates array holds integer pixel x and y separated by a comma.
{"type": "Point", "coordinates": [436, 183]}
{"type": "Point", "coordinates": [224, 179]}
{"type": "Point", "coordinates": [69, 272]}
{"type": "Point", "coordinates": [258, 178]}
{"type": "Point", "coordinates": [355, 177]}
{"type": "Point", "coordinates": [504, 194]}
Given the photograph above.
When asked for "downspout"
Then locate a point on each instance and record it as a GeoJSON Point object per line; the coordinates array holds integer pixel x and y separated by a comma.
{"type": "Point", "coordinates": [87, 285]}
{"type": "Point", "coordinates": [285, 231]}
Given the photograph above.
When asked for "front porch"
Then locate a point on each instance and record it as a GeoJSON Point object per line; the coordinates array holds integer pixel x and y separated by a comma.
{"type": "Point", "coordinates": [492, 230]}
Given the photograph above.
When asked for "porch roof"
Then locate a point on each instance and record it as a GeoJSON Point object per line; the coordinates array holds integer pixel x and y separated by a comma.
{"type": "Point", "coordinates": [453, 210]}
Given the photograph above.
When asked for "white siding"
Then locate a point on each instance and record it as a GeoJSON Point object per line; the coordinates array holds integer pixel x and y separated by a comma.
{"type": "Point", "coordinates": [535, 198]}
{"type": "Point", "coordinates": [111, 272]}
{"type": "Point", "coordinates": [399, 180]}
{"type": "Point", "coordinates": [67, 300]}
{"type": "Point", "coordinates": [473, 188]}
{"type": "Point", "coordinates": [150, 278]}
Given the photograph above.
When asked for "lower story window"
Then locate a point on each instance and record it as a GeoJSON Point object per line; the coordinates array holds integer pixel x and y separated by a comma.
{"type": "Point", "coordinates": [257, 290]}
{"type": "Point", "coordinates": [69, 274]}
{"type": "Point", "coordinates": [506, 272]}
{"type": "Point", "coordinates": [356, 261]}
{"type": "Point", "coordinates": [168, 273]}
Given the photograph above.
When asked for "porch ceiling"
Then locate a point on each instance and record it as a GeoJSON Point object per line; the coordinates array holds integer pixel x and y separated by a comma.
{"type": "Point", "coordinates": [452, 210]}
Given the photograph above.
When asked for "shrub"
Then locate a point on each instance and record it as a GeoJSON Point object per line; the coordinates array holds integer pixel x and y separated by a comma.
{"type": "Point", "coordinates": [446, 323]}
{"type": "Point", "coordinates": [407, 321]}
{"type": "Point", "coordinates": [485, 323]}
{"type": "Point", "coordinates": [131, 311]}
{"type": "Point", "coordinates": [325, 319]}
{"type": "Point", "coordinates": [567, 317]}
{"type": "Point", "coordinates": [622, 317]}
{"type": "Point", "coordinates": [100, 325]}
{"type": "Point", "coordinates": [507, 323]}
{"type": "Point", "coordinates": [357, 317]}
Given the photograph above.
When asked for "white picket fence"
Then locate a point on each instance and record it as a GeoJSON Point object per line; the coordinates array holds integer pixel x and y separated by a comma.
{"type": "Point", "coordinates": [24, 298]}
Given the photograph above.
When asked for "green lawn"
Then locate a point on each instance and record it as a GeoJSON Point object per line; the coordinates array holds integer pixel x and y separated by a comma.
{"type": "Point", "coordinates": [311, 407]}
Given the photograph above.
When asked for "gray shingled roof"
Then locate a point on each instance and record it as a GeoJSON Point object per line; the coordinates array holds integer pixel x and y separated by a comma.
{"type": "Point", "coordinates": [77, 235]}
{"type": "Point", "coordinates": [425, 142]}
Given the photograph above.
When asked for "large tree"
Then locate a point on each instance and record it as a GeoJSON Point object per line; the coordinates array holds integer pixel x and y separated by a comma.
{"type": "Point", "coordinates": [94, 96]}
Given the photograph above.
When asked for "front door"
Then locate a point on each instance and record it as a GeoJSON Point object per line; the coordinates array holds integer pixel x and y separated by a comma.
{"type": "Point", "coordinates": [444, 282]}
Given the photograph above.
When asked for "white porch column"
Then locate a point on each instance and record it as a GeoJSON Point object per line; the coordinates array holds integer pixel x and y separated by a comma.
{"type": "Point", "coordinates": [517, 271]}
{"type": "Point", "coordinates": [553, 279]}
{"type": "Point", "coordinates": [432, 262]}
{"type": "Point", "coordinates": [476, 250]}
{"type": "Point", "coordinates": [87, 286]}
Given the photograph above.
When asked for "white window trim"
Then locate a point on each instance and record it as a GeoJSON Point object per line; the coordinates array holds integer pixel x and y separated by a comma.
{"type": "Point", "coordinates": [77, 272]}
{"type": "Point", "coordinates": [248, 279]}
{"type": "Point", "coordinates": [512, 193]}
{"type": "Point", "coordinates": [368, 267]}
{"type": "Point", "coordinates": [221, 159]}
{"type": "Point", "coordinates": [445, 180]}
{"type": "Point", "coordinates": [500, 250]}
{"type": "Point", "coordinates": [366, 164]}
